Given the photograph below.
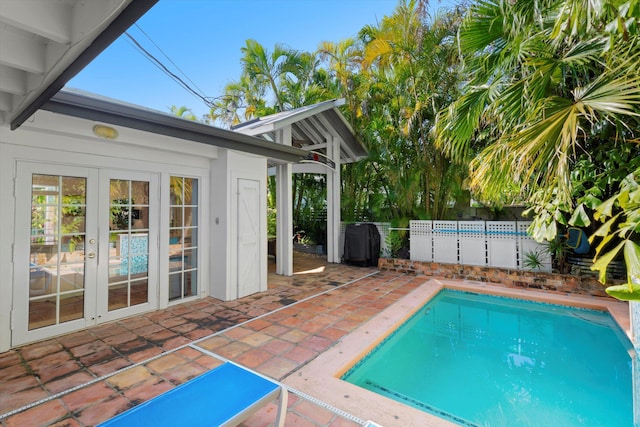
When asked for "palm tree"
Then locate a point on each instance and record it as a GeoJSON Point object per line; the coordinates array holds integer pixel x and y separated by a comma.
{"type": "Point", "coordinates": [546, 82]}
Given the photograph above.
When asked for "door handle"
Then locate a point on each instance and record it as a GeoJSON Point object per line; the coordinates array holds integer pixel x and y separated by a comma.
{"type": "Point", "coordinates": [91, 255]}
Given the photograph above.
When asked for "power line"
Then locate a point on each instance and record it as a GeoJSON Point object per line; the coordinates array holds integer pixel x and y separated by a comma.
{"type": "Point", "coordinates": [169, 59]}
{"type": "Point", "coordinates": [155, 61]}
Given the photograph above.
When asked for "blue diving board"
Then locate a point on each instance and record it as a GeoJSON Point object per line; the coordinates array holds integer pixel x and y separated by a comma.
{"type": "Point", "coordinates": [224, 396]}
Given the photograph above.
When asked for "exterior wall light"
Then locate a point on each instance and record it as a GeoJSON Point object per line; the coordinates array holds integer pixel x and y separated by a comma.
{"type": "Point", "coordinates": [105, 132]}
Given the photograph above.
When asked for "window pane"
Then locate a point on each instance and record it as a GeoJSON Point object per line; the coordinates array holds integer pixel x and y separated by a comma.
{"type": "Point", "coordinates": [190, 191]}
{"type": "Point", "coordinates": [183, 234]}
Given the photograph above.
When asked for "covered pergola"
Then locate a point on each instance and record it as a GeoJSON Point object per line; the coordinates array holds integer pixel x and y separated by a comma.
{"type": "Point", "coordinates": [322, 130]}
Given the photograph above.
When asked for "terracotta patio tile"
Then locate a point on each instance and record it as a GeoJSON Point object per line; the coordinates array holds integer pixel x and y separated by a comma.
{"type": "Point", "coordinates": [86, 396]}
{"type": "Point", "coordinates": [312, 411]}
{"type": "Point", "coordinates": [208, 362]}
{"type": "Point", "coordinates": [237, 333]}
{"type": "Point", "coordinates": [49, 373]}
{"type": "Point", "coordinates": [277, 346]}
{"type": "Point", "coordinates": [9, 358]}
{"type": "Point", "coordinates": [49, 360]}
{"type": "Point", "coordinates": [295, 420]}
{"type": "Point", "coordinates": [38, 350]}
{"type": "Point", "coordinates": [293, 321]}
{"type": "Point", "coordinates": [347, 325]}
{"type": "Point", "coordinates": [196, 334]}
{"type": "Point", "coordinates": [275, 330]}
{"type": "Point", "coordinates": [213, 343]}
{"type": "Point", "coordinates": [144, 354]}
{"type": "Point", "coordinates": [76, 339]}
{"type": "Point", "coordinates": [135, 322]}
{"type": "Point", "coordinates": [183, 373]}
{"type": "Point", "coordinates": [277, 367]}
{"type": "Point", "coordinates": [233, 349]}
{"type": "Point", "coordinates": [42, 415]}
{"type": "Point", "coordinates": [294, 336]}
{"type": "Point", "coordinates": [166, 363]}
{"type": "Point", "coordinates": [18, 384]}
{"type": "Point", "coordinates": [66, 422]}
{"type": "Point", "coordinates": [196, 315]}
{"type": "Point", "coordinates": [70, 381]}
{"type": "Point", "coordinates": [254, 358]}
{"type": "Point", "coordinates": [258, 324]}
{"type": "Point", "coordinates": [161, 336]}
{"type": "Point", "coordinates": [127, 378]}
{"type": "Point", "coordinates": [147, 390]}
{"type": "Point", "coordinates": [147, 330]}
{"type": "Point", "coordinates": [263, 417]}
{"type": "Point", "coordinates": [108, 330]}
{"type": "Point", "coordinates": [96, 414]}
{"type": "Point", "coordinates": [13, 400]}
{"type": "Point", "coordinates": [118, 339]}
{"type": "Point", "coordinates": [333, 334]}
{"type": "Point", "coordinates": [109, 367]}
{"type": "Point", "coordinates": [256, 339]}
{"type": "Point", "coordinates": [343, 422]}
{"type": "Point", "coordinates": [188, 353]}
{"type": "Point", "coordinates": [184, 327]}
{"type": "Point", "coordinates": [172, 321]}
{"type": "Point", "coordinates": [300, 354]}
{"type": "Point", "coordinates": [175, 342]}
{"type": "Point", "coordinates": [317, 343]}
{"type": "Point", "coordinates": [11, 372]}
{"type": "Point", "coordinates": [102, 354]}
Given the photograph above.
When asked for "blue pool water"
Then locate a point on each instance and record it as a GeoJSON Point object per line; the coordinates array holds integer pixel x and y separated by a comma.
{"type": "Point", "coordinates": [493, 361]}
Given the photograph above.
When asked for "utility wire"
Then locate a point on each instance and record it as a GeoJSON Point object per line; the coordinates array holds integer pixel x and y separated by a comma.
{"type": "Point", "coordinates": [155, 61]}
{"type": "Point", "coordinates": [171, 61]}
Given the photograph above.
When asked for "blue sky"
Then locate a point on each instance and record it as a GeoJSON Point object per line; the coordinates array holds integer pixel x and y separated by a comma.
{"type": "Point", "coordinates": [204, 37]}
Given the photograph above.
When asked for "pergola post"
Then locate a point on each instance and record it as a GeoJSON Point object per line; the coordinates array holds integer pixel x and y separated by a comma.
{"type": "Point", "coordinates": [333, 201]}
{"type": "Point", "coordinates": [284, 210]}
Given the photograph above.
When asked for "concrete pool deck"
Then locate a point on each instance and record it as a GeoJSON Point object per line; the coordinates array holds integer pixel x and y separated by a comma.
{"type": "Point", "coordinates": [295, 333]}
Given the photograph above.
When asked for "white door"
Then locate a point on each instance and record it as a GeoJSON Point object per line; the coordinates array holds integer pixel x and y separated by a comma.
{"type": "Point", "coordinates": [81, 239]}
{"type": "Point", "coordinates": [249, 260]}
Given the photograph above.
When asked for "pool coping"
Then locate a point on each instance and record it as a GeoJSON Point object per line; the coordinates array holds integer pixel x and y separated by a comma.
{"type": "Point", "coordinates": [321, 377]}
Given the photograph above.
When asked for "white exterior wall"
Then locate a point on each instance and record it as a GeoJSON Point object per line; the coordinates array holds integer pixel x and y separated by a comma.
{"type": "Point", "coordinates": [62, 140]}
{"type": "Point", "coordinates": [229, 167]}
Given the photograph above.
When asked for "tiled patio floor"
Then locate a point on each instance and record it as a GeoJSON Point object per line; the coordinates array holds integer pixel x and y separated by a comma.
{"type": "Point", "coordinates": [86, 377]}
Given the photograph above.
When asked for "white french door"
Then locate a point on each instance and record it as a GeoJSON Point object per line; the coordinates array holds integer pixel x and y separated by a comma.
{"type": "Point", "coordinates": [85, 248]}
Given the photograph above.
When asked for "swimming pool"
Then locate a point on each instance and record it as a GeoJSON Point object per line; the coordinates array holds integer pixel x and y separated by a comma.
{"type": "Point", "coordinates": [486, 360]}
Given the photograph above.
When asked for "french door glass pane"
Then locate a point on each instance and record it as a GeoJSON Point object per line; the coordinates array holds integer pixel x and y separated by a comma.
{"type": "Point", "coordinates": [57, 266]}
{"type": "Point", "coordinates": [128, 243]}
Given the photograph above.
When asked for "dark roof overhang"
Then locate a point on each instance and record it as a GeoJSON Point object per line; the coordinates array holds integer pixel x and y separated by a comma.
{"type": "Point", "coordinates": [104, 110]}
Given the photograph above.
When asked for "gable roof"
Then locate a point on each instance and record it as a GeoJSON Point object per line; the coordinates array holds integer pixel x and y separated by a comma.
{"type": "Point", "coordinates": [44, 43]}
{"type": "Point", "coordinates": [310, 127]}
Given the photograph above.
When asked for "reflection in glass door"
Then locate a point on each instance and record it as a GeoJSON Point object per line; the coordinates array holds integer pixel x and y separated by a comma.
{"type": "Point", "coordinates": [57, 250]}
{"type": "Point", "coordinates": [128, 283]}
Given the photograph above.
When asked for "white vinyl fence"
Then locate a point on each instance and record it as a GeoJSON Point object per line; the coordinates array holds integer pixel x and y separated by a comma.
{"type": "Point", "coordinates": [486, 243]}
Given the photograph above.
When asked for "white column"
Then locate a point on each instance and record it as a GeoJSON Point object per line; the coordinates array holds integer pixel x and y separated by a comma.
{"type": "Point", "coordinates": [333, 202]}
{"type": "Point", "coordinates": [284, 210]}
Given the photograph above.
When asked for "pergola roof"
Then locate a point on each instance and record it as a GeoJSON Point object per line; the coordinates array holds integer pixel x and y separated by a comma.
{"type": "Point", "coordinates": [44, 43]}
{"type": "Point", "coordinates": [310, 127]}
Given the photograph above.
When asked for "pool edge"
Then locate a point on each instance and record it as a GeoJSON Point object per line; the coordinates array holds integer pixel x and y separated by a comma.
{"type": "Point", "coordinates": [321, 377]}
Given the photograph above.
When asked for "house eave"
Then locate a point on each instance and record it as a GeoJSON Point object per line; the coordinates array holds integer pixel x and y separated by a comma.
{"type": "Point", "coordinates": [121, 114]}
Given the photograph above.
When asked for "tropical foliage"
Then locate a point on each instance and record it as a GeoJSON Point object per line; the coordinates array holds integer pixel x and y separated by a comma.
{"type": "Point", "coordinates": [394, 77]}
{"type": "Point", "coordinates": [549, 115]}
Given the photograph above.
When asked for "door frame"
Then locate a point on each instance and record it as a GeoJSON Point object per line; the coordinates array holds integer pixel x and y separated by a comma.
{"type": "Point", "coordinates": [96, 272]}
{"type": "Point", "coordinates": [102, 298]}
